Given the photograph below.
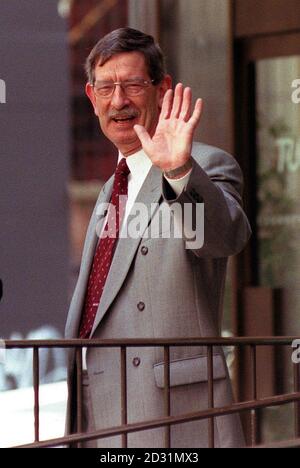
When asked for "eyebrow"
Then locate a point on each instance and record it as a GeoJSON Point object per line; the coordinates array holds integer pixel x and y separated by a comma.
{"type": "Point", "coordinates": [127, 79]}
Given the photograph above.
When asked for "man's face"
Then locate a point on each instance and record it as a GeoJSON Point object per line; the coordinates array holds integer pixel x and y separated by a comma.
{"type": "Point", "coordinates": [119, 113]}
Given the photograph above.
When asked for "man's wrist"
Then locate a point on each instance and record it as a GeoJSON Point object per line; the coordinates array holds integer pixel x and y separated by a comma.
{"type": "Point", "coordinates": [181, 171]}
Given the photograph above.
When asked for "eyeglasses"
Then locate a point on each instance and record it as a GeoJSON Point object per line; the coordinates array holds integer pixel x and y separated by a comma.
{"type": "Point", "coordinates": [136, 87]}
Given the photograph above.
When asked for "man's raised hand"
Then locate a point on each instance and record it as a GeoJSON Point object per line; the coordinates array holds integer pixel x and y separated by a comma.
{"type": "Point", "coordinates": [171, 145]}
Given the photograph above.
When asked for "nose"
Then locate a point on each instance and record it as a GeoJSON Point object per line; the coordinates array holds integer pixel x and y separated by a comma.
{"type": "Point", "coordinates": [119, 98]}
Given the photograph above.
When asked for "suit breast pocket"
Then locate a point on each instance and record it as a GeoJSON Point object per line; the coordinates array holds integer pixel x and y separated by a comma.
{"type": "Point", "coordinates": [190, 371]}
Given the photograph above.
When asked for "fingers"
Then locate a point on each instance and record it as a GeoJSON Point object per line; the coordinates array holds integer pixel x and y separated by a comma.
{"type": "Point", "coordinates": [177, 102]}
{"type": "Point", "coordinates": [178, 105]}
{"type": "Point", "coordinates": [143, 135]}
{"type": "Point", "coordinates": [195, 118]}
{"type": "Point", "coordinates": [186, 107]}
{"type": "Point", "coordinates": [167, 104]}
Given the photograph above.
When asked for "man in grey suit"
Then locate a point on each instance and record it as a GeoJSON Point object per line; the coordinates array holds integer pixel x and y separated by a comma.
{"type": "Point", "coordinates": [155, 284]}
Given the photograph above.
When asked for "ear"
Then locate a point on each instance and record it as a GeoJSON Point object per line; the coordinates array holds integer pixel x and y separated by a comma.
{"type": "Point", "coordinates": [163, 88]}
{"type": "Point", "coordinates": [89, 90]}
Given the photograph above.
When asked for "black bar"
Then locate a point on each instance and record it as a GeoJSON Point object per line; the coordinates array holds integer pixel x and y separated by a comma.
{"type": "Point", "coordinates": [167, 395]}
{"type": "Point", "coordinates": [124, 394]}
{"type": "Point", "coordinates": [36, 382]}
{"type": "Point", "coordinates": [79, 391]}
{"type": "Point", "coordinates": [254, 395]}
{"type": "Point", "coordinates": [297, 404]}
{"type": "Point", "coordinates": [211, 403]}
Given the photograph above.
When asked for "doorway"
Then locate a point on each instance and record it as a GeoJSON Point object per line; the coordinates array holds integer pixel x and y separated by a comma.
{"type": "Point", "coordinates": [267, 111]}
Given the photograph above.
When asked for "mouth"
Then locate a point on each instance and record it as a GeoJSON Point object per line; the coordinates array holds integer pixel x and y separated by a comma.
{"type": "Point", "coordinates": [123, 119]}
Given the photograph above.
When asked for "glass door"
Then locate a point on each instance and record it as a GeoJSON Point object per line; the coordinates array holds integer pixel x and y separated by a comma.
{"type": "Point", "coordinates": [278, 210]}
{"type": "Point", "coordinates": [278, 183]}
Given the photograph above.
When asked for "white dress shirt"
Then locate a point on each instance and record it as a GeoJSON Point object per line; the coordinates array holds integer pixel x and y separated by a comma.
{"type": "Point", "coordinates": [139, 165]}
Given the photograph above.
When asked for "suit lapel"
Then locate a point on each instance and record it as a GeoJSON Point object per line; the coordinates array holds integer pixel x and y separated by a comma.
{"type": "Point", "coordinates": [150, 192]}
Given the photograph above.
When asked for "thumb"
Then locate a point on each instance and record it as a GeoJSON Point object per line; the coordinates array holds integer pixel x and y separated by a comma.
{"type": "Point", "coordinates": [143, 135]}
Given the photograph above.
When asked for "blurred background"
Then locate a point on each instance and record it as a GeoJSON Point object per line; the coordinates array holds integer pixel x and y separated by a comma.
{"type": "Point", "coordinates": [241, 57]}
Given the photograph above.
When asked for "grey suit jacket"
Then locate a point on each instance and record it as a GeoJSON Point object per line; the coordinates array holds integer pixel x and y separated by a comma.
{"type": "Point", "coordinates": [157, 288]}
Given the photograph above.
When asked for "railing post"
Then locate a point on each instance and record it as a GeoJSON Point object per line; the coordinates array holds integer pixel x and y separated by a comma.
{"type": "Point", "coordinates": [254, 427]}
{"type": "Point", "coordinates": [297, 404]}
{"type": "Point", "coordinates": [124, 394]}
{"type": "Point", "coordinates": [79, 391]}
{"type": "Point", "coordinates": [167, 395]}
{"type": "Point", "coordinates": [211, 403]}
{"type": "Point", "coordinates": [36, 389]}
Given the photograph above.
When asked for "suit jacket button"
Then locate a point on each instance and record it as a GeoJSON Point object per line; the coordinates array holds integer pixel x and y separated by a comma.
{"type": "Point", "coordinates": [141, 306]}
{"type": "Point", "coordinates": [144, 250]}
{"type": "Point", "coordinates": [136, 362]}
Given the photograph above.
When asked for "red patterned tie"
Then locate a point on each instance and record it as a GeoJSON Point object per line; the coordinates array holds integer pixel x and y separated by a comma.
{"type": "Point", "coordinates": [105, 249]}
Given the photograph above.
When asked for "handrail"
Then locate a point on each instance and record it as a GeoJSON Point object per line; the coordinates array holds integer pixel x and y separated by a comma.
{"type": "Point", "coordinates": [194, 341]}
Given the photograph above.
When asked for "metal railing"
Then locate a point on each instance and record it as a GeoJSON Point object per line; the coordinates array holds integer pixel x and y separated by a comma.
{"type": "Point", "coordinates": [254, 404]}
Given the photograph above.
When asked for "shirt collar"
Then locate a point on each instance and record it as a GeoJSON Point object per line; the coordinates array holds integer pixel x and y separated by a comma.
{"type": "Point", "coordinates": [138, 163]}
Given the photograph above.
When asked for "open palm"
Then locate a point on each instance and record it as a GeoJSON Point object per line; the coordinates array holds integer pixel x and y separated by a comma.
{"type": "Point", "coordinates": [171, 145]}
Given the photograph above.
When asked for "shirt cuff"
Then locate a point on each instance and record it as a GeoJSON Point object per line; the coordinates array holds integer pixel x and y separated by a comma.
{"type": "Point", "coordinates": [178, 185]}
